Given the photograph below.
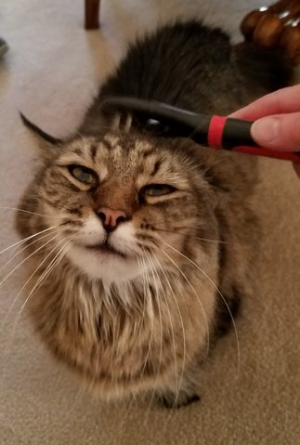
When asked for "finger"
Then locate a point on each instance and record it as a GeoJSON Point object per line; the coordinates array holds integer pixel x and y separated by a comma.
{"type": "Point", "coordinates": [281, 132]}
{"type": "Point", "coordinates": [286, 100]}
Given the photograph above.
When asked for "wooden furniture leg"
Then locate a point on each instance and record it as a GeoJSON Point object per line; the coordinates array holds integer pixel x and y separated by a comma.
{"type": "Point", "coordinates": [276, 27]}
{"type": "Point", "coordinates": [92, 8]}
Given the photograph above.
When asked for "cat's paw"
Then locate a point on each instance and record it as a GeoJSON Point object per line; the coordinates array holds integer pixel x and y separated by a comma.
{"type": "Point", "coordinates": [171, 400]}
{"type": "Point", "coordinates": [228, 310]}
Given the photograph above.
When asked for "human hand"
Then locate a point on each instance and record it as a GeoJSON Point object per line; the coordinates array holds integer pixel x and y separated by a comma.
{"type": "Point", "coordinates": [277, 120]}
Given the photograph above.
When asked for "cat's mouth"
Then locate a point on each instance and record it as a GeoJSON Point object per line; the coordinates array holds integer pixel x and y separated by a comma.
{"type": "Point", "coordinates": [106, 249]}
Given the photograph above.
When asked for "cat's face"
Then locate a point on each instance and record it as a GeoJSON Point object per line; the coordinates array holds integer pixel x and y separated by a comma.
{"type": "Point", "coordinates": [122, 204]}
{"type": "Point", "coordinates": [123, 256]}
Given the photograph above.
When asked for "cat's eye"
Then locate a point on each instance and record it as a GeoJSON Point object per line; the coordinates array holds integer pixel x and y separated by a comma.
{"type": "Point", "coordinates": [83, 174]}
{"type": "Point", "coordinates": [158, 190]}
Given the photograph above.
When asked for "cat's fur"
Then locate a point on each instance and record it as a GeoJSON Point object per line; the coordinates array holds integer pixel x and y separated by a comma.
{"type": "Point", "coordinates": [144, 319]}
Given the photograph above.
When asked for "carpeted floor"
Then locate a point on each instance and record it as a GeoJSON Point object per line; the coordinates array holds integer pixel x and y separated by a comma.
{"type": "Point", "coordinates": [51, 73]}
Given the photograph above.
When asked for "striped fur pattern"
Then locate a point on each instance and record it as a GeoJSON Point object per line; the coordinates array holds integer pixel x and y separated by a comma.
{"type": "Point", "coordinates": [136, 309]}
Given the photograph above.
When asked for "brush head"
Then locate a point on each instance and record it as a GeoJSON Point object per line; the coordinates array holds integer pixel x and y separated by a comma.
{"type": "Point", "coordinates": [171, 121]}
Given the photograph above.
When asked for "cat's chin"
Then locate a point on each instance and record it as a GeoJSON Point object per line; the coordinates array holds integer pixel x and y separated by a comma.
{"type": "Point", "coordinates": [106, 264]}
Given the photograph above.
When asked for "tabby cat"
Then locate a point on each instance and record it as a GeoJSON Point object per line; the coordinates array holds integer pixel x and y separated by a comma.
{"type": "Point", "coordinates": [140, 246]}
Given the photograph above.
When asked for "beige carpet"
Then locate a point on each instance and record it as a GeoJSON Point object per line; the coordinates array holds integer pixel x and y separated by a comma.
{"type": "Point", "coordinates": [51, 73]}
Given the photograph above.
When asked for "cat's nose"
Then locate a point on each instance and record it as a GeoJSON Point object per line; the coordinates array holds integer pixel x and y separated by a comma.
{"type": "Point", "coordinates": [111, 218]}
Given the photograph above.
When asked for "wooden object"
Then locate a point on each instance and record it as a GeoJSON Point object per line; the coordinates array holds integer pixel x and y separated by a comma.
{"type": "Point", "coordinates": [275, 27]}
{"type": "Point", "coordinates": [92, 8]}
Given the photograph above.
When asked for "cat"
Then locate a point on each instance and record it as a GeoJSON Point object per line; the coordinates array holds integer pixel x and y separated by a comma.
{"type": "Point", "coordinates": [140, 247]}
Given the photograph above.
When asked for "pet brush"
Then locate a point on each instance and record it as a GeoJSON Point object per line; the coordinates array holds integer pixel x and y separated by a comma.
{"type": "Point", "coordinates": [218, 132]}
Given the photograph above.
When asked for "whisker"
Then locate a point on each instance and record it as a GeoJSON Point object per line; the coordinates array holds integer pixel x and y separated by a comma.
{"type": "Point", "coordinates": [172, 330]}
{"type": "Point", "coordinates": [220, 294]}
{"type": "Point", "coordinates": [11, 336]}
{"type": "Point", "coordinates": [26, 239]}
{"type": "Point", "coordinates": [143, 314]}
{"type": "Point", "coordinates": [57, 206]}
{"type": "Point", "coordinates": [9, 342]}
{"type": "Point", "coordinates": [196, 295]}
{"type": "Point", "coordinates": [22, 210]}
{"type": "Point", "coordinates": [161, 330]}
{"type": "Point", "coordinates": [194, 237]}
{"type": "Point", "coordinates": [141, 262]}
{"type": "Point", "coordinates": [27, 258]}
{"type": "Point", "coordinates": [155, 226]}
{"type": "Point", "coordinates": [143, 269]}
{"type": "Point", "coordinates": [30, 278]}
{"type": "Point", "coordinates": [45, 275]}
{"type": "Point", "coordinates": [24, 248]}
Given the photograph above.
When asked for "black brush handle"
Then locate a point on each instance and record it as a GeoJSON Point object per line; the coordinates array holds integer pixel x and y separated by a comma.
{"type": "Point", "coordinates": [237, 132]}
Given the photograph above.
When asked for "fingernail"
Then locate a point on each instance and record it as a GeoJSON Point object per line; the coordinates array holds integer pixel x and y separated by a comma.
{"type": "Point", "coordinates": [265, 130]}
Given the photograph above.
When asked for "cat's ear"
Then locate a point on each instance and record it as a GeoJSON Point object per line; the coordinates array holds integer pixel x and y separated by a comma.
{"type": "Point", "coordinates": [47, 143]}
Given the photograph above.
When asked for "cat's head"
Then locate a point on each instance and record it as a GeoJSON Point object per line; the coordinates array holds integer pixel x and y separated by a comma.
{"type": "Point", "coordinates": [119, 203]}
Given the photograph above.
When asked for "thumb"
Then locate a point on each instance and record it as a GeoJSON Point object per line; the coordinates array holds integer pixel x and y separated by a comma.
{"type": "Point", "coordinates": [281, 132]}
